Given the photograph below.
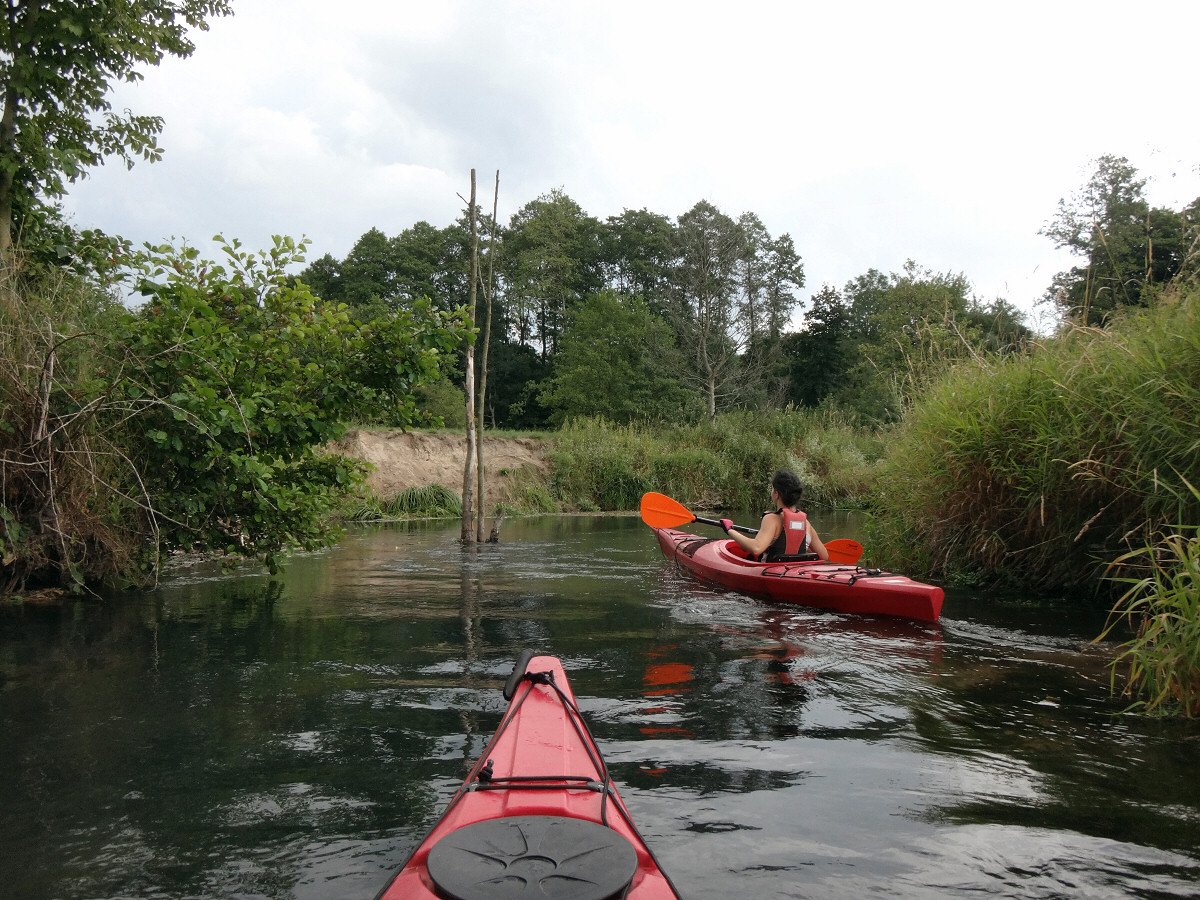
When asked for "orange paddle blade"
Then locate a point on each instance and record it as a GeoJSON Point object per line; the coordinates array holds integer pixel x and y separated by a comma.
{"type": "Point", "coordinates": [660, 511]}
{"type": "Point", "coordinates": [844, 551]}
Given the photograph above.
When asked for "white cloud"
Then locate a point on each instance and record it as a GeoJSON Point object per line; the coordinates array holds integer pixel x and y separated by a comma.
{"type": "Point", "coordinates": [872, 132]}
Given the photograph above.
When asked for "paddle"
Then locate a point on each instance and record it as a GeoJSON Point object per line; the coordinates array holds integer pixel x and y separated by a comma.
{"type": "Point", "coordinates": [660, 511]}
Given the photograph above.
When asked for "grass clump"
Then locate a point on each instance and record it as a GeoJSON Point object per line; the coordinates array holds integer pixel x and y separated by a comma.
{"type": "Point", "coordinates": [431, 502]}
{"type": "Point", "coordinates": [1162, 661]}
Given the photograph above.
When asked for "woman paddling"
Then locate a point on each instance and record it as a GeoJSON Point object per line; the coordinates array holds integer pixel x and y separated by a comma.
{"type": "Point", "coordinates": [785, 532]}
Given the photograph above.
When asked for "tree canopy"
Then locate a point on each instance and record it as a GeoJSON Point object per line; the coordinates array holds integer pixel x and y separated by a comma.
{"type": "Point", "coordinates": [614, 341]}
{"type": "Point", "coordinates": [58, 59]}
{"type": "Point", "coordinates": [1130, 249]}
{"type": "Point", "coordinates": [642, 316]}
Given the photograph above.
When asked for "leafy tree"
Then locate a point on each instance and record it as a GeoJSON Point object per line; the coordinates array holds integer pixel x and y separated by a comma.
{"type": "Point", "coordinates": [769, 271]}
{"type": "Point", "coordinates": [638, 256]}
{"type": "Point", "coordinates": [1130, 249]}
{"type": "Point", "coordinates": [905, 323]}
{"type": "Point", "coordinates": [784, 274]}
{"type": "Point", "coordinates": [617, 361]}
{"type": "Point", "coordinates": [703, 310]}
{"type": "Point", "coordinates": [997, 327]}
{"type": "Point", "coordinates": [58, 59]}
{"type": "Point", "coordinates": [516, 374]}
{"type": "Point", "coordinates": [239, 375]}
{"type": "Point", "coordinates": [551, 262]}
{"type": "Point", "coordinates": [873, 347]}
{"type": "Point", "coordinates": [368, 273]}
{"type": "Point", "coordinates": [381, 273]}
{"type": "Point", "coordinates": [818, 355]}
{"type": "Point", "coordinates": [733, 293]}
{"type": "Point", "coordinates": [435, 263]}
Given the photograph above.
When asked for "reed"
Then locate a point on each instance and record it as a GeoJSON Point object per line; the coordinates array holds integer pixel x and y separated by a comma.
{"type": "Point", "coordinates": [1162, 661]}
{"type": "Point", "coordinates": [1040, 469]}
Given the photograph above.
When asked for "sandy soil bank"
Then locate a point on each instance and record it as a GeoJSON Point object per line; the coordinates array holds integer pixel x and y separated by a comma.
{"type": "Point", "coordinates": [417, 459]}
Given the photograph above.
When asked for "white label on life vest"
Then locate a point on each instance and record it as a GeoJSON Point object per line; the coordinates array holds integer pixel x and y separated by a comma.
{"type": "Point", "coordinates": [796, 526]}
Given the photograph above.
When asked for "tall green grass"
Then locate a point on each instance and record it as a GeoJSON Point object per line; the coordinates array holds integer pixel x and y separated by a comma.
{"type": "Point", "coordinates": [1040, 469]}
{"type": "Point", "coordinates": [724, 463]}
{"type": "Point", "coordinates": [1162, 661]}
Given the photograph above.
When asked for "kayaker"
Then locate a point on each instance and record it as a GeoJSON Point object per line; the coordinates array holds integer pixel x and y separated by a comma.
{"type": "Point", "coordinates": [785, 532]}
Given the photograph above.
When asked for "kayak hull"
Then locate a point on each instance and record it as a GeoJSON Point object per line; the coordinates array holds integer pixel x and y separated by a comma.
{"type": "Point", "coordinates": [839, 587]}
{"type": "Point", "coordinates": [541, 778]}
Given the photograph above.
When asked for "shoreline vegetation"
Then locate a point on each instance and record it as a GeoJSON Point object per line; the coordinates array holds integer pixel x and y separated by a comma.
{"type": "Point", "coordinates": [661, 348]}
{"type": "Point", "coordinates": [1065, 469]}
{"type": "Point", "coordinates": [202, 422]}
{"type": "Point", "coordinates": [1062, 471]}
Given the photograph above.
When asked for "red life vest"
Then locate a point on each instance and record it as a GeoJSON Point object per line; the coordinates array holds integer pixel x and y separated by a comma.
{"type": "Point", "coordinates": [792, 539]}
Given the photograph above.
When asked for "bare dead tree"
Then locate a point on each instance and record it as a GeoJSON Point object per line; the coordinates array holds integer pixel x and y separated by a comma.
{"type": "Point", "coordinates": [468, 505]}
{"type": "Point", "coordinates": [483, 363]}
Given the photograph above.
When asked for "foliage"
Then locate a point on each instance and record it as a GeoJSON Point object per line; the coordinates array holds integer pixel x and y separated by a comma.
{"type": "Point", "coordinates": [441, 402]}
{"type": "Point", "coordinates": [70, 510]}
{"type": "Point", "coordinates": [57, 62]}
{"type": "Point", "coordinates": [515, 376]}
{"type": "Point", "coordinates": [638, 256]}
{"type": "Point", "coordinates": [617, 361]}
{"type": "Point", "coordinates": [381, 273]}
{"type": "Point", "coordinates": [1131, 250]}
{"type": "Point", "coordinates": [1162, 661]}
{"type": "Point", "coordinates": [879, 345]}
{"type": "Point", "coordinates": [726, 290]}
{"type": "Point", "coordinates": [551, 263]}
{"type": "Point", "coordinates": [702, 311]}
{"type": "Point", "coordinates": [1038, 468]}
{"type": "Point", "coordinates": [239, 375]}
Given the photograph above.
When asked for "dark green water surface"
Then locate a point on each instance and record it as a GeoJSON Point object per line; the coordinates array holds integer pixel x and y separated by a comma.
{"type": "Point", "coordinates": [227, 736]}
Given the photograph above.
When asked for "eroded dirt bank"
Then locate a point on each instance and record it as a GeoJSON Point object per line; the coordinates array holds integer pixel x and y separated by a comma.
{"type": "Point", "coordinates": [419, 459]}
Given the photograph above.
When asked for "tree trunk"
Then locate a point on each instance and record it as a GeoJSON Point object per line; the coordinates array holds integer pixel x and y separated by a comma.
{"type": "Point", "coordinates": [483, 372]}
{"type": "Point", "coordinates": [468, 506]}
{"type": "Point", "coordinates": [8, 140]}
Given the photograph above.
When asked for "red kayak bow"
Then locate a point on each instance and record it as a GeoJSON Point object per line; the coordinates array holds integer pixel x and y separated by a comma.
{"type": "Point", "coordinates": [538, 816]}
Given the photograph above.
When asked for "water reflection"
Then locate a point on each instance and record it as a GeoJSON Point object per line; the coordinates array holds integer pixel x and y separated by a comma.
{"type": "Point", "coordinates": [234, 736]}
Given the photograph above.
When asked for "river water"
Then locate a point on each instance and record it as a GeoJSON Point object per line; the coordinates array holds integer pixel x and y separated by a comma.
{"type": "Point", "coordinates": [230, 736]}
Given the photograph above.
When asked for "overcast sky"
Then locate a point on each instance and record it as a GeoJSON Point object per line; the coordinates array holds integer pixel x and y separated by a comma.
{"type": "Point", "coordinates": [872, 133]}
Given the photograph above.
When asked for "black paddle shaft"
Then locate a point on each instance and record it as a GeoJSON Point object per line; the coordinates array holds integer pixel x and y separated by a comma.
{"type": "Point", "coordinates": [742, 528]}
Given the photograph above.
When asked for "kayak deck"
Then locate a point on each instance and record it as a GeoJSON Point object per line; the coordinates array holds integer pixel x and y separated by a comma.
{"type": "Point", "coordinates": [538, 815]}
{"type": "Point", "coordinates": [839, 587]}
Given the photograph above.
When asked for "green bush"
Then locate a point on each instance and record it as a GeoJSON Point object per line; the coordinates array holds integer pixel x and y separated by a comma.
{"type": "Point", "coordinates": [442, 403]}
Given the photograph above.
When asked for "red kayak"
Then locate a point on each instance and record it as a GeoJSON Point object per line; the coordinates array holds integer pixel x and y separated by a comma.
{"type": "Point", "coordinates": [844, 588]}
{"type": "Point", "coordinates": [538, 816]}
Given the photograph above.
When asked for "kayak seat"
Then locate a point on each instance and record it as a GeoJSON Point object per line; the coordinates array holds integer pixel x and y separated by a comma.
{"type": "Point", "coordinates": [533, 856]}
{"type": "Point", "coordinates": [796, 557]}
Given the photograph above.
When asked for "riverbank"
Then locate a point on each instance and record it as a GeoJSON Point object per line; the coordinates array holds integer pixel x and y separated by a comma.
{"type": "Point", "coordinates": [418, 459]}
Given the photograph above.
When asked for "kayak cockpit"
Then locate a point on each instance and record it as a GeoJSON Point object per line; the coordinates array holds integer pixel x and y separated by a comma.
{"type": "Point", "coordinates": [550, 856]}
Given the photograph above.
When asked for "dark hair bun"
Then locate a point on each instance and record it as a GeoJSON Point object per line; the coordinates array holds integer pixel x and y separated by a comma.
{"type": "Point", "coordinates": [789, 487]}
